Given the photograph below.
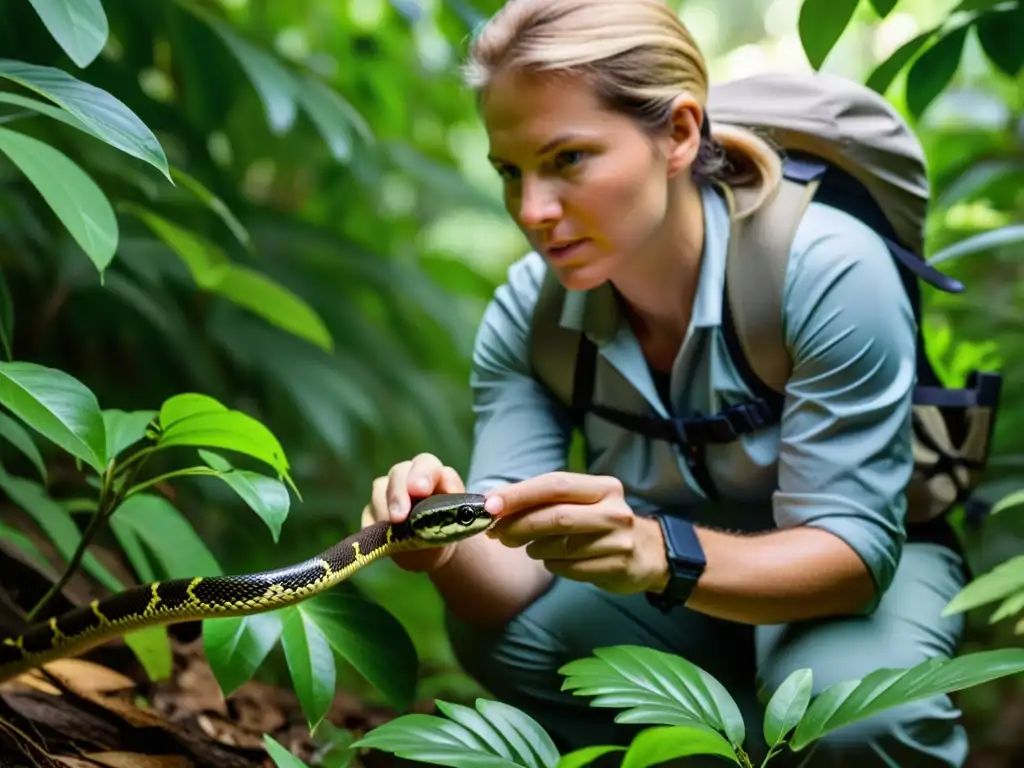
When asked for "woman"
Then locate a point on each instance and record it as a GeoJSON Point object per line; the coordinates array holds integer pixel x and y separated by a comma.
{"type": "Point", "coordinates": [594, 111]}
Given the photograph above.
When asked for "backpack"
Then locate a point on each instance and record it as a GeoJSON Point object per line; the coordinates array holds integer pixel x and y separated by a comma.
{"type": "Point", "coordinates": [842, 145]}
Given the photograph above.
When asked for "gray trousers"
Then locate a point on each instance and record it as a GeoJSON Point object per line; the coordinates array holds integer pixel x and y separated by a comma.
{"type": "Point", "coordinates": [518, 664]}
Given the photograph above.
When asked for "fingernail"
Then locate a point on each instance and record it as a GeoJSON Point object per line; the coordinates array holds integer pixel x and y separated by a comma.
{"type": "Point", "coordinates": [395, 509]}
{"type": "Point", "coordinates": [421, 484]}
{"type": "Point", "coordinates": [494, 505]}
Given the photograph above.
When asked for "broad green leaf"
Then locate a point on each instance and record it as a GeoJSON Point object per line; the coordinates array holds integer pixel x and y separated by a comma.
{"type": "Point", "coordinates": [106, 116]}
{"type": "Point", "coordinates": [275, 85]}
{"type": "Point", "coordinates": [1000, 33]}
{"type": "Point", "coordinates": [654, 687]}
{"type": "Point", "coordinates": [77, 200]}
{"type": "Point", "coordinates": [174, 543]}
{"type": "Point", "coordinates": [267, 497]}
{"type": "Point", "coordinates": [333, 116]}
{"type": "Point", "coordinates": [1008, 502]}
{"type": "Point", "coordinates": [282, 757]}
{"type": "Point", "coordinates": [530, 742]}
{"type": "Point", "coordinates": [275, 303]}
{"type": "Point", "coordinates": [821, 24]}
{"type": "Point", "coordinates": [134, 550]}
{"type": "Point", "coordinates": [655, 746]}
{"type": "Point", "coordinates": [883, 75]}
{"type": "Point", "coordinates": [883, 7]}
{"type": "Point", "coordinates": [478, 724]}
{"type": "Point", "coordinates": [435, 741]}
{"type": "Point", "coordinates": [6, 318]}
{"type": "Point", "coordinates": [125, 428]}
{"type": "Point", "coordinates": [310, 663]}
{"type": "Point", "coordinates": [215, 204]}
{"type": "Point", "coordinates": [57, 406]}
{"type": "Point", "coordinates": [236, 647]}
{"type": "Point", "coordinates": [186, 405]}
{"type": "Point", "coordinates": [56, 523]}
{"type": "Point", "coordinates": [934, 69]}
{"type": "Point", "coordinates": [1011, 606]}
{"type": "Point", "coordinates": [1002, 581]}
{"type": "Point", "coordinates": [28, 548]}
{"type": "Point", "coordinates": [580, 758]}
{"type": "Point", "coordinates": [370, 639]}
{"type": "Point", "coordinates": [79, 26]}
{"type": "Point", "coordinates": [997, 238]}
{"type": "Point", "coordinates": [19, 437]}
{"type": "Point", "coordinates": [45, 108]}
{"type": "Point", "coordinates": [205, 261]}
{"type": "Point", "coordinates": [152, 647]}
{"type": "Point", "coordinates": [848, 702]}
{"type": "Point", "coordinates": [786, 706]}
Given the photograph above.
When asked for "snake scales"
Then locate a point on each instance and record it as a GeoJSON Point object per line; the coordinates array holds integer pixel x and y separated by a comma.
{"type": "Point", "coordinates": [433, 522]}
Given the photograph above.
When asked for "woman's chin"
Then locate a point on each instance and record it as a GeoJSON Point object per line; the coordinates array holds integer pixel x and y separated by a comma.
{"type": "Point", "coordinates": [580, 276]}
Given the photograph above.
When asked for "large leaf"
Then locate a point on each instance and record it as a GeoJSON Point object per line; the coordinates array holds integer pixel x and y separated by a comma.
{"type": "Point", "coordinates": [584, 756]}
{"type": "Point", "coordinates": [333, 116]}
{"type": "Point", "coordinates": [848, 702]}
{"type": "Point", "coordinates": [310, 663]}
{"type": "Point", "coordinates": [786, 706]}
{"type": "Point", "coordinates": [205, 261]}
{"type": "Point", "coordinates": [656, 746]}
{"type": "Point", "coordinates": [235, 647]}
{"type": "Point", "coordinates": [79, 26]}
{"type": "Point", "coordinates": [654, 687]}
{"type": "Point", "coordinates": [1009, 501]}
{"type": "Point", "coordinates": [57, 406]}
{"type": "Point", "coordinates": [282, 757]}
{"type": "Point", "coordinates": [934, 69]}
{"type": "Point", "coordinates": [18, 436]}
{"type": "Point", "coordinates": [997, 238]}
{"type": "Point", "coordinates": [1000, 33]}
{"type": "Point", "coordinates": [77, 200]}
{"type": "Point", "coordinates": [106, 116]}
{"type": "Point", "coordinates": [450, 742]}
{"type": "Point", "coordinates": [821, 24]}
{"type": "Point", "coordinates": [266, 496]}
{"type": "Point", "coordinates": [124, 428]}
{"type": "Point", "coordinates": [152, 647]}
{"type": "Point", "coordinates": [1002, 581]}
{"type": "Point", "coordinates": [883, 75]}
{"type": "Point", "coordinates": [28, 548]}
{"type": "Point", "coordinates": [56, 523]}
{"type": "Point", "coordinates": [215, 204]}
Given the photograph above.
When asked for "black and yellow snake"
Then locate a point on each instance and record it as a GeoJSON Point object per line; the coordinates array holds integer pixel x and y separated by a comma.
{"type": "Point", "coordinates": [433, 522]}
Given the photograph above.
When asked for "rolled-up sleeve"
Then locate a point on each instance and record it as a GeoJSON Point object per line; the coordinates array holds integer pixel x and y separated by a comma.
{"type": "Point", "coordinates": [845, 455]}
{"type": "Point", "coordinates": [520, 430]}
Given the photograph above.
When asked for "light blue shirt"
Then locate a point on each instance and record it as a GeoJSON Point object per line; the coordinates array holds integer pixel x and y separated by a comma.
{"type": "Point", "coordinates": [840, 459]}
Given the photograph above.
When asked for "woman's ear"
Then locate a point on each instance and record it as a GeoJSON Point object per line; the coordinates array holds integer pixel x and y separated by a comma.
{"type": "Point", "coordinates": [684, 138]}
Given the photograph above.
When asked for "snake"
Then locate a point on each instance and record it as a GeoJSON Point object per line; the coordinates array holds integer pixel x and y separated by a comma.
{"type": "Point", "coordinates": [434, 521]}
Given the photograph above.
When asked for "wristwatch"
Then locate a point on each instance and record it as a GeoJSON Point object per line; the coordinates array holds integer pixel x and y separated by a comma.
{"type": "Point", "coordinates": [686, 562]}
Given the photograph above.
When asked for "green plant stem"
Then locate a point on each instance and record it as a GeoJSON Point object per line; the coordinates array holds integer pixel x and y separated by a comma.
{"type": "Point", "coordinates": [772, 752]}
{"type": "Point", "coordinates": [168, 475]}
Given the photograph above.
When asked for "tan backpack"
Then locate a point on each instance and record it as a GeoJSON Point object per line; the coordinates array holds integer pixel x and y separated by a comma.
{"type": "Point", "coordinates": [842, 145]}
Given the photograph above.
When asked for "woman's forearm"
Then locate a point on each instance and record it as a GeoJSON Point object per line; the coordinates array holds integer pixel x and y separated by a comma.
{"type": "Point", "coordinates": [779, 577]}
{"type": "Point", "coordinates": [487, 584]}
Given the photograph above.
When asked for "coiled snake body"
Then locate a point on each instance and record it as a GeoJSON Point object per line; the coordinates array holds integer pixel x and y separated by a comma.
{"type": "Point", "coordinates": [433, 522]}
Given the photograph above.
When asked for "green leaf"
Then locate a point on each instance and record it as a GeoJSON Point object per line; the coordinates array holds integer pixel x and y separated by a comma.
{"type": "Point", "coordinates": [57, 406]}
{"type": "Point", "coordinates": [1000, 33]}
{"type": "Point", "coordinates": [1009, 235]}
{"type": "Point", "coordinates": [215, 204]}
{"type": "Point", "coordinates": [786, 706]}
{"type": "Point", "coordinates": [654, 746]}
{"type": "Point", "coordinates": [205, 261]}
{"type": "Point", "coordinates": [19, 437]}
{"type": "Point", "coordinates": [371, 640]}
{"type": "Point", "coordinates": [848, 702]}
{"type": "Point", "coordinates": [436, 741]}
{"type": "Point", "coordinates": [125, 428]}
{"type": "Point", "coordinates": [1003, 580]}
{"type": "Point", "coordinates": [883, 7]}
{"type": "Point", "coordinates": [236, 647]}
{"type": "Point", "coordinates": [79, 26]}
{"type": "Point", "coordinates": [1011, 606]}
{"type": "Point", "coordinates": [134, 550]}
{"type": "Point", "coordinates": [77, 200]}
{"type": "Point", "coordinates": [883, 75]}
{"type": "Point", "coordinates": [580, 758]}
{"type": "Point", "coordinates": [821, 24]}
{"type": "Point", "coordinates": [282, 757]}
{"type": "Point", "coordinates": [333, 116]}
{"type": "Point", "coordinates": [45, 108]}
{"type": "Point", "coordinates": [152, 647]}
{"type": "Point", "coordinates": [267, 497]}
{"type": "Point", "coordinates": [310, 663]}
{"type": "Point", "coordinates": [106, 116]}
{"type": "Point", "coordinates": [933, 70]}
{"type": "Point", "coordinates": [181, 551]}
{"type": "Point", "coordinates": [530, 742]}
{"type": "Point", "coordinates": [1009, 501]}
{"type": "Point", "coordinates": [6, 318]}
{"type": "Point", "coordinates": [28, 547]}
{"type": "Point", "coordinates": [57, 524]}
{"type": "Point", "coordinates": [654, 687]}
{"type": "Point", "coordinates": [200, 421]}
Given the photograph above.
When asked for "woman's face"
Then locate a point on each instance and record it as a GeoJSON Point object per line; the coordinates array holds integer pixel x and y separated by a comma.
{"type": "Point", "coordinates": [586, 186]}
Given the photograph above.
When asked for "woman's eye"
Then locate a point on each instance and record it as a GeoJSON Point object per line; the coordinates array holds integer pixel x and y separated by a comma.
{"type": "Point", "coordinates": [508, 172]}
{"type": "Point", "coordinates": [569, 157]}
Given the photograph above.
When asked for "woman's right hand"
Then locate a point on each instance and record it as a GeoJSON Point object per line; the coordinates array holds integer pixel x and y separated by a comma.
{"type": "Point", "coordinates": [395, 494]}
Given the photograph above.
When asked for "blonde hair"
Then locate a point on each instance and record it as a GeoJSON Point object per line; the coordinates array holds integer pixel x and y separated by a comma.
{"type": "Point", "coordinates": [639, 57]}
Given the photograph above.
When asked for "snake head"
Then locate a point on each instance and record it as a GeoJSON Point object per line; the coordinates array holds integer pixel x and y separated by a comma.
{"type": "Point", "coordinates": [448, 517]}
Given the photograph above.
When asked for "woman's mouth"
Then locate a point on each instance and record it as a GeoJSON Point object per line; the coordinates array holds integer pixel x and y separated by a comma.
{"type": "Point", "coordinates": [563, 251]}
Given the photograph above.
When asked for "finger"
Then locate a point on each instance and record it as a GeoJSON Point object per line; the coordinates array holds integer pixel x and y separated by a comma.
{"type": "Point", "coordinates": [572, 547]}
{"type": "Point", "coordinates": [367, 516]}
{"type": "Point", "coordinates": [450, 481]}
{"type": "Point", "coordinates": [378, 498]}
{"type": "Point", "coordinates": [600, 571]}
{"type": "Point", "coordinates": [396, 499]}
{"type": "Point", "coordinates": [558, 519]}
{"type": "Point", "coordinates": [550, 488]}
{"type": "Point", "coordinates": [424, 475]}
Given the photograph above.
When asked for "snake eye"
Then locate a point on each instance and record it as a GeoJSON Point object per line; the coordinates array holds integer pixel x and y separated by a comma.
{"type": "Point", "coordinates": [465, 515]}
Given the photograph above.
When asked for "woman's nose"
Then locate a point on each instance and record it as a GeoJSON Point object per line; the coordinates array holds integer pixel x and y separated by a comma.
{"type": "Point", "coordinates": [538, 205]}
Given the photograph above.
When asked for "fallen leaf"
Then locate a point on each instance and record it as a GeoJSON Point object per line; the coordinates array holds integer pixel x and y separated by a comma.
{"type": "Point", "coordinates": [136, 760]}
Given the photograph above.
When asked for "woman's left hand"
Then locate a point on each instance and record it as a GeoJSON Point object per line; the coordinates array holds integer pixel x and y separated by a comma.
{"type": "Point", "coordinates": [581, 527]}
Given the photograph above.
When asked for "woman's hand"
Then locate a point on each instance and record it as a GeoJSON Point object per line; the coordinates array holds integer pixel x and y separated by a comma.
{"type": "Point", "coordinates": [581, 527]}
{"type": "Point", "coordinates": [393, 497]}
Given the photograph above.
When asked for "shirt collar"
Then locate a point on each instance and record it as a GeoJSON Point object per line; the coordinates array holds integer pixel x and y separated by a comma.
{"type": "Point", "coordinates": [596, 312]}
